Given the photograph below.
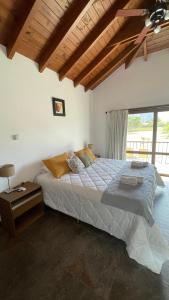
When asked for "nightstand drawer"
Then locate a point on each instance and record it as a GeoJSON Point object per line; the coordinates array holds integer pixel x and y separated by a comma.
{"type": "Point", "coordinates": [21, 207]}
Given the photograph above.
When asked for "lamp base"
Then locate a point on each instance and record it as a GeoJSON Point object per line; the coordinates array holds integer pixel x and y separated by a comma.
{"type": "Point", "coordinates": [18, 189]}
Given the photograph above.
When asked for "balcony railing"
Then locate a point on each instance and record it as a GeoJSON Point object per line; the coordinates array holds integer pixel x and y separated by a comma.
{"type": "Point", "coordinates": [142, 150]}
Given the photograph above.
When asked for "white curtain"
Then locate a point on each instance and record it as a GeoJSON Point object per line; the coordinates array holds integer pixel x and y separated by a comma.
{"type": "Point", "coordinates": [116, 134]}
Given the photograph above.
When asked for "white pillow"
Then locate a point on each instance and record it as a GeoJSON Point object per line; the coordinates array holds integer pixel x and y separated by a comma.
{"type": "Point", "coordinates": [75, 164]}
{"type": "Point", "coordinates": [71, 154]}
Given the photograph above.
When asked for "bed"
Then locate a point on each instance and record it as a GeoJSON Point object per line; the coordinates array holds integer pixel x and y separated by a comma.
{"type": "Point", "coordinates": [80, 196]}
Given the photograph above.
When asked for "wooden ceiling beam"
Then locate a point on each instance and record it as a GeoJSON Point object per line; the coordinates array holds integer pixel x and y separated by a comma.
{"type": "Point", "coordinates": [128, 32]}
{"type": "Point", "coordinates": [166, 46]}
{"type": "Point", "coordinates": [30, 10]}
{"type": "Point", "coordinates": [111, 67]}
{"type": "Point", "coordinates": [130, 35]}
{"type": "Point", "coordinates": [131, 31]}
{"type": "Point", "coordinates": [94, 64]}
{"type": "Point", "coordinates": [133, 55]}
{"type": "Point", "coordinates": [108, 49]}
{"type": "Point", "coordinates": [102, 79]}
{"type": "Point", "coordinates": [92, 37]}
{"type": "Point", "coordinates": [68, 22]}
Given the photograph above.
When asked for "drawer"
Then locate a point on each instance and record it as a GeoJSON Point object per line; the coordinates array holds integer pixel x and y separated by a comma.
{"type": "Point", "coordinates": [26, 204]}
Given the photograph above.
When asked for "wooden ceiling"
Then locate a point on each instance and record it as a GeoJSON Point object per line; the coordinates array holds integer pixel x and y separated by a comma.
{"type": "Point", "coordinates": [78, 39]}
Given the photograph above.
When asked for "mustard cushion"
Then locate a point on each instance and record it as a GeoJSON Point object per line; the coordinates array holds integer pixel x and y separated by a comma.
{"type": "Point", "coordinates": [58, 165]}
{"type": "Point", "coordinates": [86, 151]}
{"type": "Point", "coordinates": [90, 153]}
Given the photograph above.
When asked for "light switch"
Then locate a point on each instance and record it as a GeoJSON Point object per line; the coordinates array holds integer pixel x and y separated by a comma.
{"type": "Point", "coordinates": [15, 137]}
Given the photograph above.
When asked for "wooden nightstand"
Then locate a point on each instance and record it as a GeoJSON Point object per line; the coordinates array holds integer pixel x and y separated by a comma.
{"type": "Point", "coordinates": [20, 209]}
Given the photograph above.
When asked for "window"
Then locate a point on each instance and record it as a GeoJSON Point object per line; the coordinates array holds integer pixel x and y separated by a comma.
{"type": "Point", "coordinates": [148, 137]}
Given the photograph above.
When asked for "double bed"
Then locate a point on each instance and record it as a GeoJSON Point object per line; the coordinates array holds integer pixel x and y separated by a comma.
{"type": "Point", "coordinates": [81, 196]}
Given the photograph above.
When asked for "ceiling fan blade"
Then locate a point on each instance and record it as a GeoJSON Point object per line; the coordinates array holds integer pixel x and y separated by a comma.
{"type": "Point", "coordinates": [142, 35]}
{"type": "Point", "coordinates": [131, 12]}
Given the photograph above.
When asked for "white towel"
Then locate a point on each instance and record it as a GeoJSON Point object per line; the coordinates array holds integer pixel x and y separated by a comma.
{"type": "Point", "coordinates": [131, 180]}
{"type": "Point", "coordinates": [139, 164]}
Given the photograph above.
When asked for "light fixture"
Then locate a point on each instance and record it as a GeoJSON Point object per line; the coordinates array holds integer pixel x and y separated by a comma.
{"type": "Point", "coordinates": [148, 22]}
{"type": "Point", "coordinates": [90, 146]}
{"type": "Point", "coordinates": [157, 29]}
{"type": "Point", "coordinates": [7, 171]}
{"type": "Point", "coordinates": [166, 15]}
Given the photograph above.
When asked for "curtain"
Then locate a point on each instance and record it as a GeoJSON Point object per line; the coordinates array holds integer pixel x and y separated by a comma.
{"type": "Point", "coordinates": [116, 134]}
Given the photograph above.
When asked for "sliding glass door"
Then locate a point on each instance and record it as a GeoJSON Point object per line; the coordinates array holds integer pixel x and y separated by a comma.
{"type": "Point", "coordinates": [148, 137]}
{"type": "Point", "coordinates": [162, 143]}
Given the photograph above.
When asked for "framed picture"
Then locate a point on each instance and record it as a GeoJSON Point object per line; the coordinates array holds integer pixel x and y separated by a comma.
{"type": "Point", "coordinates": [58, 107]}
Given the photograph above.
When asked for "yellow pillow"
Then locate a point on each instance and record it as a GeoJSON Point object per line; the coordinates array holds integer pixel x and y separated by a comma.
{"type": "Point", "coordinates": [58, 165]}
{"type": "Point", "coordinates": [86, 151]}
{"type": "Point", "coordinates": [90, 153]}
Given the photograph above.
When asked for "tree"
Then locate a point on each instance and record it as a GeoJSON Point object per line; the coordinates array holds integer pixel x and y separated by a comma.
{"type": "Point", "coordinates": [165, 128]}
{"type": "Point", "coordinates": [134, 122]}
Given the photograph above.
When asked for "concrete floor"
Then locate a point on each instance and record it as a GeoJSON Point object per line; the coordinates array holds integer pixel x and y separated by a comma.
{"type": "Point", "coordinates": [59, 259]}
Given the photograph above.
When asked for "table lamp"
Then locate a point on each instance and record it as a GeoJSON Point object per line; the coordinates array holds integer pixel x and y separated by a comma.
{"type": "Point", "coordinates": [90, 146]}
{"type": "Point", "coordinates": [7, 171]}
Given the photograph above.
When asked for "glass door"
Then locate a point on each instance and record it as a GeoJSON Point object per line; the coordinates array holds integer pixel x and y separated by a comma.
{"type": "Point", "coordinates": [162, 143]}
{"type": "Point", "coordinates": [148, 138]}
{"type": "Point", "coordinates": [140, 137]}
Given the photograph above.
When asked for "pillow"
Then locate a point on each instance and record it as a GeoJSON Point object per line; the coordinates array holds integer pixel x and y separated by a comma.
{"type": "Point", "coordinates": [90, 159]}
{"type": "Point", "coordinates": [71, 154]}
{"type": "Point", "coordinates": [58, 165]}
{"type": "Point", "coordinates": [90, 153]}
{"type": "Point", "coordinates": [86, 160]}
{"type": "Point", "coordinates": [75, 164]}
{"type": "Point", "coordinates": [86, 151]}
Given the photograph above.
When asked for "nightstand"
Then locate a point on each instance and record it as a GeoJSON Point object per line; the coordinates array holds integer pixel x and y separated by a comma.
{"type": "Point", "coordinates": [20, 209]}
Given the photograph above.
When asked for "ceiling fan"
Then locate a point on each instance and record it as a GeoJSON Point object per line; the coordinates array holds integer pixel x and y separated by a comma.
{"type": "Point", "coordinates": [154, 17]}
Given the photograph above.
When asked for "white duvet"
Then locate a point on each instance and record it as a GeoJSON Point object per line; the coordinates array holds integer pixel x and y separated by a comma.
{"type": "Point", "coordinates": [79, 195]}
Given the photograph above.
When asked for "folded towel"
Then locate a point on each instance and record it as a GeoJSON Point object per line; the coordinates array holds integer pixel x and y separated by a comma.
{"type": "Point", "coordinates": [131, 180]}
{"type": "Point", "coordinates": [139, 164]}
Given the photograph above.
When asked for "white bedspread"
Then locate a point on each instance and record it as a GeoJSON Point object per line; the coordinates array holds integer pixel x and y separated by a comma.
{"type": "Point", "coordinates": [79, 195]}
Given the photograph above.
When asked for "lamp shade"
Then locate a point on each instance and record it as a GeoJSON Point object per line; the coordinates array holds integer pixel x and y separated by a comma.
{"type": "Point", "coordinates": [148, 22]}
{"type": "Point", "coordinates": [157, 29]}
{"type": "Point", "coordinates": [7, 170]}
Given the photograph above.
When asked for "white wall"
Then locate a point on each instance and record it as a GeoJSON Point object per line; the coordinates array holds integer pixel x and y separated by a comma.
{"type": "Point", "coordinates": [142, 84]}
{"type": "Point", "coordinates": [26, 110]}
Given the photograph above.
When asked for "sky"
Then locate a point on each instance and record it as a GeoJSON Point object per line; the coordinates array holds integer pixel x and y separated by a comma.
{"type": "Point", "coordinates": [164, 116]}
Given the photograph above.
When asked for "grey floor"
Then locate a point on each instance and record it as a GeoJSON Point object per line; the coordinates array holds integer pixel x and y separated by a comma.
{"type": "Point", "coordinates": [59, 259]}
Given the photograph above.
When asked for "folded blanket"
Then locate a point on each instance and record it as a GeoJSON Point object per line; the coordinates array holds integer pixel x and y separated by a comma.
{"type": "Point", "coordinates": [137, 199]}
{"type": "Point", "coordinates": [131, 180]}
{"type": "Point", "coordinates": [138, 164]}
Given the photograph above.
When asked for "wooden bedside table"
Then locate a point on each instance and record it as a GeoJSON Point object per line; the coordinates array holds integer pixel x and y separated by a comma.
{"type": "Point", "coordinates": [20, 209]}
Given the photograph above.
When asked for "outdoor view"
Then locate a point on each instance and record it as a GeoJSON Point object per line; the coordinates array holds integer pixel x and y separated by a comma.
{"type": "Point", "coordinates": [140, 137]}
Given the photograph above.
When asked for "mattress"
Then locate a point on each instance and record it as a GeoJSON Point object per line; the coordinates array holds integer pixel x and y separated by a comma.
{"type": "Point", "coordinates": [79, 196]}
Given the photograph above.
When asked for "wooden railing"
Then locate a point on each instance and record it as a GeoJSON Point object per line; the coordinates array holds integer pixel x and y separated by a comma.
{"type": "Point", "coordinates": [142, 150]}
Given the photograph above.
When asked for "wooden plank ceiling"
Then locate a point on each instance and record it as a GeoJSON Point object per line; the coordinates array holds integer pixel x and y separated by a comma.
{"type": "Point", "coordinates": [78, 39]}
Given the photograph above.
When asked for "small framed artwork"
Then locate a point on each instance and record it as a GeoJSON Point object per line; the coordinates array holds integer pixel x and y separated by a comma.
{"type": "Point", "coordinates": [58, 107]}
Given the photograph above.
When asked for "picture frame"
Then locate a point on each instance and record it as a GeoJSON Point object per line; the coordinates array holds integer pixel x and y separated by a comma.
{"type": "Point", "coordinates": [58, 107]}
